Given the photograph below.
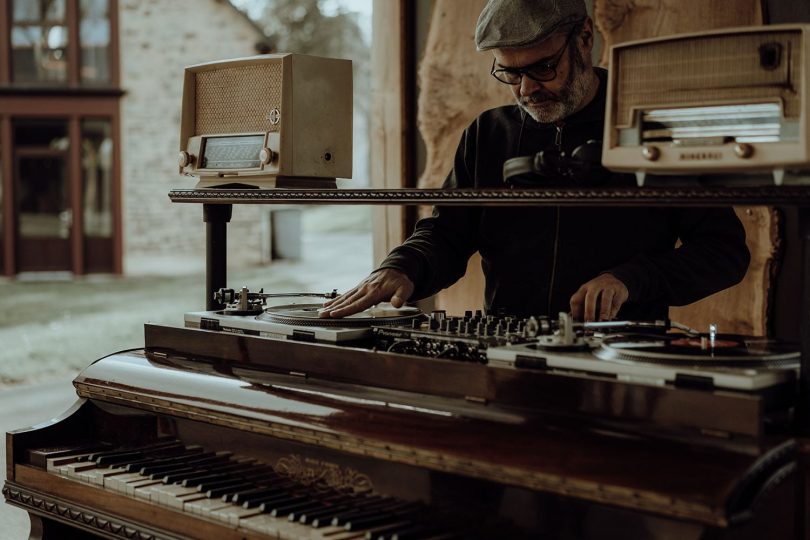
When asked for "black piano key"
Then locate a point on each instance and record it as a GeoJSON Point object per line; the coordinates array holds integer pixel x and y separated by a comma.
{"type": "Point", "coordinates": [222, 491]}
{"type": "Point", "coordinates": [322, 515]}
{"type": "Point", "coordinates": [260, 491]}
{"type": "Point", "coordinates": [38, 457]}
{"type": "Point", "coordinates": [157, 460]}
{"type": "Point", "coordinates": [101, 457]}
{"type": "Point", "coordinates": [415, 533]}
{"type": "Point", "coordinates": [321, 500]}
{"type": "Point", "coordinates": [238, 479]}
{"type": "Point", "coordinates": [384, 533]}
{"type": "Point", "coordinates": [164, 467]}
{"type": "Point", "coordinates": [274, 498]}
{"type": "Point", "coordinates": [225, 492]}
{"type": "Point", "coordinates": [228, 481]}
{"type": "Point", "coordinates": [190, 474]}
{"type": "Point", "coordinates": [185, 469]}
{"type": "Point", "coordinates": [217, 473]}
{"type": "Point", "coordinates": [373, 502]}
{"type": "Point", "coordinates": [394, 506]}
{"type": "Point", "coordinates": [242, 482]}
{"type": "Point", "coordinates": [382, 518]}
{"type": "Point", "coordinates": [285, 510]}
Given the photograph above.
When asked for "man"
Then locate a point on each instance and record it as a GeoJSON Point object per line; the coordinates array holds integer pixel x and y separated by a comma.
{"type": "Point", "coordinates": [598, 262]}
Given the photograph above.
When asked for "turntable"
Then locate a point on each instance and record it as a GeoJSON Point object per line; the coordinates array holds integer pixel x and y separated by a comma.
{"type": "Point", "coordinates": [246, 313]}
{"type": "Point", "coordinates": [710, 361]}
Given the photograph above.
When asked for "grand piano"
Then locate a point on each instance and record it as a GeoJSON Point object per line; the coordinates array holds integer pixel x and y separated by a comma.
{"type": "Point", "coordinates": [206, 434]}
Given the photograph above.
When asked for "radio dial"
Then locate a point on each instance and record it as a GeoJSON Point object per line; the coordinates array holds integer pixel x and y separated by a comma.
{"type": "Point", "coordinates": [651, 153]}
{"type": "Point", "coordinates": [186, 159]}
{"type": "Point", "coordinates": [267, 156]}
{"type": "Point", "coordinates": [743, 150]}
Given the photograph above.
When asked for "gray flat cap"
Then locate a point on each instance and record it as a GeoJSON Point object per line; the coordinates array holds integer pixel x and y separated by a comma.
{"type": "Point", "coordinates": [520, 23]}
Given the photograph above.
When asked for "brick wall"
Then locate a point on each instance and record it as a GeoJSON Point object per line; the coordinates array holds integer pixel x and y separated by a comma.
{"type": "Point", "coordinates": [158, 39]}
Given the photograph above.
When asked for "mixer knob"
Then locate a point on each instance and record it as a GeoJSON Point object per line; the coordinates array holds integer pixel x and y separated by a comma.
{"type": "Point", "coordinates": [468, 314]}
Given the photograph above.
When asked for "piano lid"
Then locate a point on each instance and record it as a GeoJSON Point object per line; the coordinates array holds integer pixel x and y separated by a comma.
{"type": "Point", "coordinates": [710, 485]}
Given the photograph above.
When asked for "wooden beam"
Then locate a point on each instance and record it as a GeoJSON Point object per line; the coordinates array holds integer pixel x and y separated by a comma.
{"type": "Point", "coordinates": [7, 187]}
{"type": "Point", "coordinates": [392, 89]}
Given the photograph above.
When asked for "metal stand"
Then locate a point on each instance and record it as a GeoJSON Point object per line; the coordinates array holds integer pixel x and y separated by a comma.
{"type": "Point", "coordinates": [216, 217]}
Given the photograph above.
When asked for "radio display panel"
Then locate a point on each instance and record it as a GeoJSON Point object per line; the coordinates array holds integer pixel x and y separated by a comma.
{"type": "Point", "coordinates": [232, 152]}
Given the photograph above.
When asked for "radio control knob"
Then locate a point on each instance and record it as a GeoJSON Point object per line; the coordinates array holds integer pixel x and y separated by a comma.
{"type": "Point", "coordinates": [267, 156]}
{"type": "Point", "coordinates": [185, 159]}
{"type": "Point", "coordinates": [651, 153]}
{"type": "Point", "coordinates": [743, 150]}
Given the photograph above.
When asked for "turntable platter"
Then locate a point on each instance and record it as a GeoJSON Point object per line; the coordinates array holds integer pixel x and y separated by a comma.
{"type": "Point", "coordinates": [307, 315]}
{"type": "Point", "coordinates": [724, 350]}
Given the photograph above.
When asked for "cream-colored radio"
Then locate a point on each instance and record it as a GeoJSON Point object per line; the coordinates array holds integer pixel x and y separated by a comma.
{"type": "Point", "coordinates": [276, 120]}
{"type": "Point", "coordinates": [728, 101]}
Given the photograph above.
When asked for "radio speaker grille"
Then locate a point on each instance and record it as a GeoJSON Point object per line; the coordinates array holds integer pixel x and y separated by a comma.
{"type": "Point", "coordinates": [237, 99]}
{"type": "Point", "coordinates": [710, 70]}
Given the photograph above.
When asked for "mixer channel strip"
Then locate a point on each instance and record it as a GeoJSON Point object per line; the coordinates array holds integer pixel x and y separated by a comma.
{"type": "Point", "coordinates": [239, 492]}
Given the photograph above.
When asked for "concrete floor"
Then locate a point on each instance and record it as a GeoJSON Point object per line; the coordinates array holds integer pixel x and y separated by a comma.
{"type": "Point", "coordinates": [23, 406]}
{"type": "Point", "coordinates": [51, 330]}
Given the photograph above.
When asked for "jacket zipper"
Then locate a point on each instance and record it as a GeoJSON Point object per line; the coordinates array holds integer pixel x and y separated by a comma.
{"type": "Point", "coordinates": [558, 144]}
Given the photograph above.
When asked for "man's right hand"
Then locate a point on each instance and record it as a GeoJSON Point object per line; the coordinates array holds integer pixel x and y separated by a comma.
{"type": "Point", "coordinates": [386, 285]}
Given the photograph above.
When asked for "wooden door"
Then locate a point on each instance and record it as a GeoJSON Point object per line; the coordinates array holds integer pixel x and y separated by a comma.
{"type": "Point", "coordinates": [44, 218]}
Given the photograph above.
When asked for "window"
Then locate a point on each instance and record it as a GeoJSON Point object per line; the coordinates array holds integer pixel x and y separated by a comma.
{"type": "Point", "coordinates": [60, 42]}
{"type": "Point", "coordinates": [39, 39]}
{"type": "Point", "coordinates": [94, 41]}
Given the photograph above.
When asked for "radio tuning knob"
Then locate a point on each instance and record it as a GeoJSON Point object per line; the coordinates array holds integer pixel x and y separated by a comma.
{"type": "Point", "coordinates": [651, 153]}
{"type": "Point", "coordinates": [267, 156]}
{"type": "Point", "coordinates": [743, 150]}
{"type": "Point", "coordinates": [185, 159]}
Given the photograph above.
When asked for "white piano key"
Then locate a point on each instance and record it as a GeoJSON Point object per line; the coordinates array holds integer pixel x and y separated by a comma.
{"type": "Point", "coordinates": [203, 507]}
{"type": "Point", "coordinates": [97, 476]}
{"type": "Point", "coordinates": [234, 514]}
{"type": "Point", "coordinates": [167, 492]}
{"type": "Point", "coordinates": [119, 482]}
{"type": "Point", "coordinates": [138, 484]}
{"type": "Point", "coordinates": [181, 500]}
{"type": "Point", "coordinates": [147, 493]}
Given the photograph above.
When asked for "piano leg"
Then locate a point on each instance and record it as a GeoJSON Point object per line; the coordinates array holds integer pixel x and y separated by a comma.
{"type": "Point", "coordinates": [47, 529]}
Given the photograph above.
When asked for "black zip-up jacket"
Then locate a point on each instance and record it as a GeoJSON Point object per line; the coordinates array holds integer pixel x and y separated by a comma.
{"type": "Point", "coordinates": [535, 258]}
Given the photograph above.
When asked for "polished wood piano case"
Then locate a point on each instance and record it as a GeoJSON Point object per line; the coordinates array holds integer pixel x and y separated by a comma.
{"type": "Point", "coordinates": [486, 452]}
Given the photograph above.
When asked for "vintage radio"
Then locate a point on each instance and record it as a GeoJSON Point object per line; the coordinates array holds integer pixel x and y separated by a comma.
{"type": "Point", "coordinates": [276, 120]}
{"type": "Point", "coordinates": [728, 101]}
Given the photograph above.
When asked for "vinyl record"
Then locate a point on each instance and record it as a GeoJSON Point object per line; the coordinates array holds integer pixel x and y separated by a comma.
{"type": "Point", "coordinates": [724, 350]}
{"type": "Point", "coordinates": [307, 315]}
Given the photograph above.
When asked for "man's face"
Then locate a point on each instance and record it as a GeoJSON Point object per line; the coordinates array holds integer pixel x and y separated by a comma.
{"type": "Point", "coordinates": [568, 92]}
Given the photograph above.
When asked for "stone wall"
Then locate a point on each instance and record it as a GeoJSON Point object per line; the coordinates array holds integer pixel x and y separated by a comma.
{"type": "Point", "coordinates": [158, 38]}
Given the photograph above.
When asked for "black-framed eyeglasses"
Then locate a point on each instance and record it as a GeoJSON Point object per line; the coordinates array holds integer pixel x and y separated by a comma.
{"type": "Point", "coordinates": [542, 71]}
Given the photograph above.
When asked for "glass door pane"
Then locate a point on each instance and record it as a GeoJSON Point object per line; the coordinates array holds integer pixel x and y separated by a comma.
{"type": "Point", "coordinates": [97, 210]}
{"type": "Point", "coordinates": [44, 217]}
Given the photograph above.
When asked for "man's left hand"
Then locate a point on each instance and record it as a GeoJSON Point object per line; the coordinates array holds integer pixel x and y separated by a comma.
{"type": "Point", "coordinates": [606, 292]}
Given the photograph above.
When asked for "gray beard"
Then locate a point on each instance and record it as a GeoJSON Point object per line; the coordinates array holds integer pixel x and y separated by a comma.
{"type": "Point", "coordinates": [548, 108]}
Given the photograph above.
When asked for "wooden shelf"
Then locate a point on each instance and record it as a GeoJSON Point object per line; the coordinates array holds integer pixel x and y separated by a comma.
{"type": "Point", "coordinates": [656, 196]}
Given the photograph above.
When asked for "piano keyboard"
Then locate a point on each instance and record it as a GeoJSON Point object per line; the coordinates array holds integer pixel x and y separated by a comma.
{"type": "Point", "coordinates": [240, 491]}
